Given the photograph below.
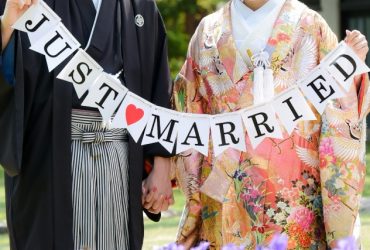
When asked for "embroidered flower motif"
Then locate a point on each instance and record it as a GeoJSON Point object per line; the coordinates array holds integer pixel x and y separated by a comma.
{"type": "Point", "coordinates": [302, 216]}
{"type": "Point", "coordinates": [326, 147]}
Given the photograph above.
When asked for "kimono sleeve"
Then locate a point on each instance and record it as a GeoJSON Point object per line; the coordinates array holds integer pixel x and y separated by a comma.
{"type": "Point", "coordinates": [187, 166]}
{"type": "Point", "coordinates": [341, 153]}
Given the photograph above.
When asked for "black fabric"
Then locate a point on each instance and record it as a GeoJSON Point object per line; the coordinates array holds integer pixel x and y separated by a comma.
{"type": "Point", "coordinates": [35, 119]}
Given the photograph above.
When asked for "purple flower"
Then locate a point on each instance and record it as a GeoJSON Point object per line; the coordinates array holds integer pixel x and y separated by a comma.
{"type": "Point", "coordinates": [348, 243]}
{"type": "Point", "coordinates": [279, 242]}
{"type": "Point", "coordinates": [232, 247]}
{"type": "Point", "coordinates": [201, 246]}
{"type": "Point", "coordinates": [172, 246]}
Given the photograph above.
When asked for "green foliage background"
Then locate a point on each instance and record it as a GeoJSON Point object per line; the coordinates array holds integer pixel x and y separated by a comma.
{"type": "Point", "coordinates": [181, 18]}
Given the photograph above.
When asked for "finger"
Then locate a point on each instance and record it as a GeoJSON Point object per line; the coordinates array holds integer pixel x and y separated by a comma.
{"type": "Point", "coordinates": [149, 197]}
{"type": "Point", "coordinates": [358, 39]}
{"type": "Point", "coordinates": [21, 4]}
{"type": "Point", "coordinates": [165, 206]}
{"type": "Point", "coordinates": [158, 203]}
{"type": "Point", "coordinates": [353, 35]}
{"type": "Point", "coordinates": [35, 1]}
{"type": "Point", "coordinates": [171, 201]}
{"type": "Point", "coordinates": [143, 195]}
{"type": "Point", "coordinates": [361, 45]}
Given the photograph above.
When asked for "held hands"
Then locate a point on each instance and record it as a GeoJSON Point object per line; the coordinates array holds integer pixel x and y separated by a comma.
{"type": "Point", "coordinates": [13, 10]}
{"type": "Point", "coordinates": [157, 188]}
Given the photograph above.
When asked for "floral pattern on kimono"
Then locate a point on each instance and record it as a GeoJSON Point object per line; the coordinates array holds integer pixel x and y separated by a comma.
{"type": "Point", "coordinates": [307, 185]}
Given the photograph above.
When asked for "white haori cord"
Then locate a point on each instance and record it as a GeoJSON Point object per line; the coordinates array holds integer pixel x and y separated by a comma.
{"type": "Point", "coordinates": [263, 83]}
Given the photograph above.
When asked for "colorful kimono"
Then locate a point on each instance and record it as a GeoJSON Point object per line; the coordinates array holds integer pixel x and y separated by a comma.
{"type": "Point", "coordinates": [307, 185]}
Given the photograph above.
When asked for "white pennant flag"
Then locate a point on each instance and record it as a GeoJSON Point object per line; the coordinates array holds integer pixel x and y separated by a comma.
{"type": "Point", "coordinates": [37, 21]}
{"type": "Point", "coordinates": [344, 64]}
{"type": "Point", "coordinates": [319, 88]}
{"type": "Point", "coordinates": [291, 107]}
{"type": "Point", "coordinates": [133, 114]}
{"type": "Point", "coordinates": [105, 94]}
{"type": "Point", "coordinates": [162, 127]}
{"type": "Point", "coordinates": [227, 132]}
{"type": "Point", "coordinates": [56, 46]}
{"type": "Point", "coordinates": [261, 122]}
{"type": "Point", "coordinates": [82, 71]}
{"type": "Point", "coordinates": [194, 133]}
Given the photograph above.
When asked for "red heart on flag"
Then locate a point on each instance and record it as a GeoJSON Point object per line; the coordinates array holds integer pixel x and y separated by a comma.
{"type": "Point", "coordinates": [133, 114]}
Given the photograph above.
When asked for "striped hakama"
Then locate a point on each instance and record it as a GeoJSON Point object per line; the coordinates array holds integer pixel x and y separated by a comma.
{"type": "Point", "coordinates": [99, 184]}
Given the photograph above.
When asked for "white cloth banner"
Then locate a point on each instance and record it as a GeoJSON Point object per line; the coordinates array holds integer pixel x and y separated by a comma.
{"type": "Point", "coordinates": [261, 122]}
{"type": "Point", "coordinates": [194, 133]}
{"type": "Point", "coordinates": [106, 94]}
{"type": "Point", "coordinates": [37, 21]}
{"type": "Point", "coordinates": [343, 64]}
{"type": "Point", "coordinates": [227, 132]}
{"type": "Point", "coordinates": [162, 127]}
{"type": "Point", "coordinates": [133, 114]}
{"type": "Point", "coordinates": [50, 37]}
{"type": "Point", "coordinates": [291, 108]}
{"type": "Point", "coordinates": [81, 71]}
{"type": "Point", "coordinates": [319, 87]}
{"type": "Point", "coordinates": [56, 46]}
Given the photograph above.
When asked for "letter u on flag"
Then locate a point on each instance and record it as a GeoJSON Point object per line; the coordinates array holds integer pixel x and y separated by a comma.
{"type": "Point", "coordinates": [56, 46]}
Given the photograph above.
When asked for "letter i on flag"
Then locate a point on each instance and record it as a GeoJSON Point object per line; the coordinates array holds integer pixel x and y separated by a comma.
{"type": "Point", "coordinates": [105, 94]}
{"type": "Point", "coordinates": [227, 132]}
{"type": "Point", "coordinates": [291, 107]}
{"type": "Point", "coordinates": [344, 64]}
{"type": "Point", "coordinates": [261, 122]}
{"type": "Point", "coordinates": [37, 21]}
{"type": "Point", "coordinates": [56, 46]}
{"type": "Point", "coordinates": [133, 114]}
{"type": "Point", "coordinates": [194, 133]}
{"type": "Point", "coordinates": [81, 71]}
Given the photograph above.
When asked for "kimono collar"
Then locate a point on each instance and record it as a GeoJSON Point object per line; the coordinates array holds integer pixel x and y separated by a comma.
{"type": "Point", "coordinates": [252, 29]}
{"type": "Point", "coordinates": [278, 44]}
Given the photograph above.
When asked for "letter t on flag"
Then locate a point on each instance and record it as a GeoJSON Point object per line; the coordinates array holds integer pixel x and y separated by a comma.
{"type": "Point", "coordinates": [105, 94]}
{"type": "Point", "coordinates": [291, 107]}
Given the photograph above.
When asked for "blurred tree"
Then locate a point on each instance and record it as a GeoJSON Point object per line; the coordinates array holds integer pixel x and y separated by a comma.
{"type": "Point", "coordinates": [181, 18]}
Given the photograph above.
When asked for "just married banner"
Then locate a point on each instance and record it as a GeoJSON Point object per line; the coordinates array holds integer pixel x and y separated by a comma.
{"type": "Point", "coordinates": [329, 80]}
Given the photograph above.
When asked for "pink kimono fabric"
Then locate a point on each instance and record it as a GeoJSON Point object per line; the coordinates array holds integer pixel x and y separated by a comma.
{"type": "Point", "coordinates": [307, 185]}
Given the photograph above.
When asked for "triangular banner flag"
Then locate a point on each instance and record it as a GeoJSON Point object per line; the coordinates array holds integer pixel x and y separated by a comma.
{"type": "Point", "coordinates": [81, 71]}
{"type": "Point", "coordinates": [227, 132]}
{"type": "Point", "coordinates": [344, 64]}
{"type": "Point", "coordinates": [105, 94]}
{"type": "Point", "coordinates": [37, 21]}
{"type": "Point", "coordinates": [133, 114]}
{"type": "Point", "coordinates": [319, 87]}
{"type": "Point", "coordinates": [291, 107]}
{"type": "Point", "coordinates": [162, 127]}
{"type": "Point", "coordinates": [56, 46]}
{"type": "Point", "coordinates": [194, 133]}
{"type": "Point", "coordinates": [261, 122]}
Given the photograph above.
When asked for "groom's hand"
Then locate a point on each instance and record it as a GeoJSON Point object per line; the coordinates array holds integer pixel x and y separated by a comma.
{"type": "Point", "coordinates": [157, 188]}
